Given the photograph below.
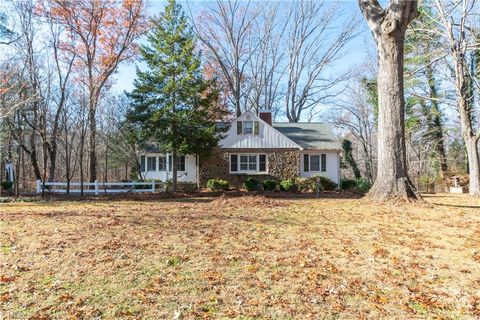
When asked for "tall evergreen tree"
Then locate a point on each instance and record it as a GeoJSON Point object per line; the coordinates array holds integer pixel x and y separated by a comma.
{"type": "Point", "coordinates": [171, 103]}
{"type": "Point", "coordinates": [422, 49]}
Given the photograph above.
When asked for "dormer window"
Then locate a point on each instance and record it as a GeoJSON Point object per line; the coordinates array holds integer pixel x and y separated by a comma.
{"type": "Point", "coordinates": [247, 127]}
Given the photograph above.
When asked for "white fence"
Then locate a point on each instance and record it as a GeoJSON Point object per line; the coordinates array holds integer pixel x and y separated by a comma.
{"type": "Point", "coordinates": [98, 187]}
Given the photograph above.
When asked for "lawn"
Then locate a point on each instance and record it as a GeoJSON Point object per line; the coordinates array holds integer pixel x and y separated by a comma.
{"type": "Point", "coordinates": [249, 257]}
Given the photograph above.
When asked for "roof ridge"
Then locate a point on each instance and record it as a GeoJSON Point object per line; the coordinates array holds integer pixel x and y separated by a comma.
{"type": "Point", "coordinates": [293, 123]}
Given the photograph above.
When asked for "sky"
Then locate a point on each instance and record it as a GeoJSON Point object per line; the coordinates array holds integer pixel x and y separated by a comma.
{"type": "Point", "coordinates": [358, 51]}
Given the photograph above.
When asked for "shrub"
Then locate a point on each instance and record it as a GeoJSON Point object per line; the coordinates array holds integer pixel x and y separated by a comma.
{"type": "Point", "coordinates": [327, 184]}
{"type": "Point", "coordinates": [6, 185]}
{"type": "Point", "coordinates": [310, 184]}
{"type": "Point", "coordinates": [269, 185]}
{"type": "Point", "coordinates": [251, 184]}
{"type": "Point", "coordinates": [362, 185]}
{"type": "Point", "coordinates": [305, 184]}
{"type": "Point", "coordinates": [346, 184]}
{"type": "Point", "coordinates": [218, 184]}
{"type": "Point", "coordinates": [287, 185]}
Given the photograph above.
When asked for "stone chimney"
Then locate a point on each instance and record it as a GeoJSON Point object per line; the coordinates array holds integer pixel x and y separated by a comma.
{"type": "Point", "coordinates": [266, 115]}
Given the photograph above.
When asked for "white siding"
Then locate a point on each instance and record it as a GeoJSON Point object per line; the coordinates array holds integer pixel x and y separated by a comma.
{"type": "Point", "coordinates": [189, 175]}
{"type": "Point", "coordinates": [268, 137]}
{"type": "Point", "coordinates": [333, 166]}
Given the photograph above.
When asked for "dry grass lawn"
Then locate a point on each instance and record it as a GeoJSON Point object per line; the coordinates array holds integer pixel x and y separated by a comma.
{"type": "Point", "coordinates": [250, 257]}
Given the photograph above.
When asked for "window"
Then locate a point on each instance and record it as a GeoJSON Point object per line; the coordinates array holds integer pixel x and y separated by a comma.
{"type": "Point", "coordinates": [315, 162]}
{"type": "Point", "coordinates": [248, 127]}
{"type": "Point", "coordinates": [324, 162]}
{"type": "Point", "coordinates": [142, 163]}
{"type": "Point", "coordinates": [248, 163]}
{"type": "Point", "coordinates": [151, 163]}
{"type": "Point", "coordinates": [162, 163]}
{"type": "Point", "coordinates": [262, 163]}
{"type": "Point", "coordinates": [180, 163]}
{"type": "Point", "coordinates": [233, 163]}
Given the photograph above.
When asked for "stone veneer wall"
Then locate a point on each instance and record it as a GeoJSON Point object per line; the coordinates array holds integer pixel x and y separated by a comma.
{"type": "Point", "coordinates": [282, 164]}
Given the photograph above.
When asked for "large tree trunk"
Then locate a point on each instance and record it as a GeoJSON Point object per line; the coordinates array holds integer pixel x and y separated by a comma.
{"type": "Point", "coordinates": [473, 165]}
{"type": "Point", "coordinates": [469, 137]}
{"type": "Point", "coordinates": [388, 27]}
{"type": "Point", "coordinates": [392, 177]}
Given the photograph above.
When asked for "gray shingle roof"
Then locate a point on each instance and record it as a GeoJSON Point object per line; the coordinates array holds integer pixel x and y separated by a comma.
{"type": "Point", "coordinates": [150, 147]}
{"type": "Point", "coordinates": [310, 135]}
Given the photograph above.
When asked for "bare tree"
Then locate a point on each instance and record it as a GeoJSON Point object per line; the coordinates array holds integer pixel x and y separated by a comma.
{"type": "Point", "coordinates": [28, 121]}
{"type": "Point", "coordinates": [354, 114]}
{"type": "Point", "coordinates": [457, 20]}
{"type": "Point", "coordinates": [63, 64]}
{"type": "Point", "coordinates": [102, 34]}
{"type": "Point", "coordinates": [388, 27]}
{"type": "Point", "coordinates": [225, 29]}
{"type": "Point", "coordinates": [266, 68]}
{"type": "Point", "coordinates": [311, 50]}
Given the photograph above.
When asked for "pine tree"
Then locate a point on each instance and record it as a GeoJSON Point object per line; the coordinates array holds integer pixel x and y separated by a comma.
{"type": "Point", "coordinates": [171, 102]}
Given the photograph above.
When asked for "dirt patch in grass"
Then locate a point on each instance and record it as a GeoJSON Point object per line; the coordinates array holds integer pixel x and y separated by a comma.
{"type": "Point", "coordinates": [248, 257]}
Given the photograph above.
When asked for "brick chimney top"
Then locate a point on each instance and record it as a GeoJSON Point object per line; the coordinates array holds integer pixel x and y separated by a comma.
{"type": "Point", "coordinates": [266, 115]}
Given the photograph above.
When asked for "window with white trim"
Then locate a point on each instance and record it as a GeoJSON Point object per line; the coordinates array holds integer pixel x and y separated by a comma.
{"type": "Point", "coordinates": [248, 127]}
{"type": "Point", "coordinates": [248, 162]}
{"type": "Point", "coordinates": [162, 163]}
{"type": "Point", "coordinates": [315, 162]}
{"type": "Point", "coordinates": [151, 163]}
{"type": "Point", "coordinates": [180, 163]}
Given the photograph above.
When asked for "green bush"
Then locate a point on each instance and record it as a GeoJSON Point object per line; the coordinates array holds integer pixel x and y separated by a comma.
{"type": "Point", "coordinates": [217, 184]}
{"type": "Point", "coordinates": [327, 184]}
{"type": "Point", "coordinates": [6, 185]}
{"type": "Point", "coordinates": [269, 185]}
{"type": "Point", "coordinates": [362, 185]}
{"type": "Point", "coordinates": [251, 184]}
{"type": "Point", "coordinates": [346, 184]}
{"type": "Point", "coordinates": [287, 185]}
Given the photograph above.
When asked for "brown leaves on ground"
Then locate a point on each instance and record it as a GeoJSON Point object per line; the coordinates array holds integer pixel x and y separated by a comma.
{"type": "Point", "coordinates": [240, 257]}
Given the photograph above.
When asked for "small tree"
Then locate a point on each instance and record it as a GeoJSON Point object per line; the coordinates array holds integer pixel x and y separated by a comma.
{"type": "Point", "coordinates": [171, 103]}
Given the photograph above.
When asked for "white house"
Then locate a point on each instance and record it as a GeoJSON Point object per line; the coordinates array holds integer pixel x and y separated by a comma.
{"type": "Point", "coordinates": [254, 146]}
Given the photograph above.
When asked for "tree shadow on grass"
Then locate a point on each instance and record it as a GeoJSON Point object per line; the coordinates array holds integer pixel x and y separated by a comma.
{"type": "Point", "coordinates": [457, 205]}
{"type": "Point", "coordinates": [193, 197]}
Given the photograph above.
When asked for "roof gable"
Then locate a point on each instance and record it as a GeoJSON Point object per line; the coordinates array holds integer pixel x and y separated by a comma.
{"type": "Point", "coordinates": [268, 136]}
